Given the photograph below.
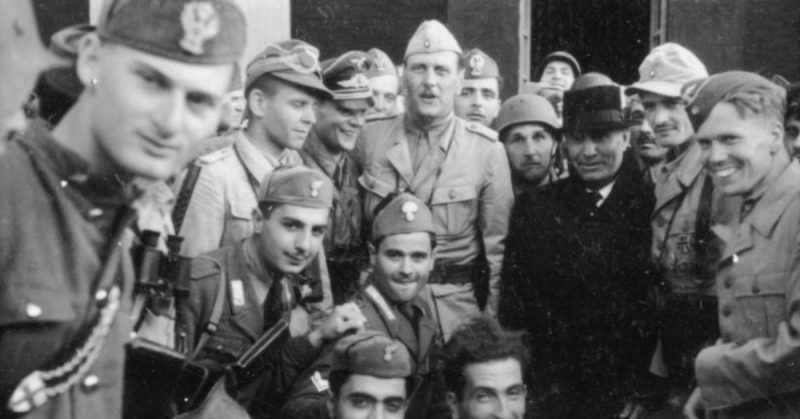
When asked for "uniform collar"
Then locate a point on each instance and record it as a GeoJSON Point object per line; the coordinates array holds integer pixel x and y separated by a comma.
{"type": "Point", "coordinates": [438, 130]}
{"type": "Point", "coordinates": [314, 147]}
{"type": "Point", "coordinates": [776, 198]}
{"type": "Point", "coordinates": [254, 160]}
{"type": "Point", "coordinates": [688, 165]}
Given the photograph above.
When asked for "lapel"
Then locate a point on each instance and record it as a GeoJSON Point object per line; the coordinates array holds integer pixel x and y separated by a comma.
{"type": "Point", "coordinates": [399, 156]}
{"type": "Point", "coordinates": [683, 173]}
{"type": "Point", "coordinates": [392, 320]}
{"type": "Point", "coordinates": [427, 331]}
{"type": "Point", "coordinates": [255, 163]}
{"type": "Point", "coordinates": [248, 317]}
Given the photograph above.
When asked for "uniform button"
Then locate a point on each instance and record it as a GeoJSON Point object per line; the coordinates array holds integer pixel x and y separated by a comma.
{"type": "Point", "coordinates": [756, 289]}
{"type": "Point", "coordinates": [371, 183]}
{"type": "Point", "coordinates": [728, 282]}
{"type": "Point", "coordinates": [100, 295]}
{"type": "Point", "coordinates": [726, 311]}
{"type": "Point", "coordinates": [452, 194]}
{"type": "Point", "coordinates": [33, 311]}
{"type": "Point", "coordinates": [95, 212]}
{"type": "Point", "coordinates": [90, 382]}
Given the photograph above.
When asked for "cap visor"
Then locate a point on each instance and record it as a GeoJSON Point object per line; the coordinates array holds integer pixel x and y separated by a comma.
{"type": "Point", "coordinates": [305, 80]}
{"type": "Point", "coordinates": [663, 88]}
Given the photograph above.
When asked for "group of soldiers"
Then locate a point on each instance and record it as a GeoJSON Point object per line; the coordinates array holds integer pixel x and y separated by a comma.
{"type": "Point", "coordinates": [350, 238]}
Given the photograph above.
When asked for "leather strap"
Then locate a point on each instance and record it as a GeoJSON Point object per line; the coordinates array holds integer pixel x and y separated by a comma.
{"type": "Point", "coordinates": [216, 311]}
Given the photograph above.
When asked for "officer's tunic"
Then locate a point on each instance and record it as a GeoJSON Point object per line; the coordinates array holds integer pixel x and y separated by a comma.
{"type": "Point", "coordinates": [344, 247]}
{"type": "Point", "coordinates": [309, 394]}
{"type": "Point", "coordinates": [55, 226]}
{"type": "Point", "coordinates": [465, 180]}
{"type": "Point", "coordinates": [753, 370]}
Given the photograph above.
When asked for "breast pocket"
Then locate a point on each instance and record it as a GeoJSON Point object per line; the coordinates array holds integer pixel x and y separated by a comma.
{"type": "Point", "coordinates": [21, 305]}
{"type": "Point", "coordinates": [224, 347]}
{"type": "Point", "coordinates": [240, 223]}
{"type": "Point", "coordinates": [763, 302]}
{"type": "Point", "coordinates": [455, 209]}
{"type": "Point", "coordinates": [375, 190]}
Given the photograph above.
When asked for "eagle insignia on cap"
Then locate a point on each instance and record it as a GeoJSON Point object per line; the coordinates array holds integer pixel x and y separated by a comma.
{"type": "Point", "coordinates": [355, 82]}
{"type": "Point", "coordinates": [358, 62]}
{"type": "Point", "coordinates": [409, 210]}
{"type": "Point", "coordinates": [476, 62]}
{"type": "Point", "coordinates": [315, 186]}
{"type": "Point", "coordinates": [388, 352]}
{"type": "Point", "coordinates": [200, 23]}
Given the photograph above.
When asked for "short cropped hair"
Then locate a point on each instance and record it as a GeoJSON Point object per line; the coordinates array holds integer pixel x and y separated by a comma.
{"type": "Point", "coordinates": [766, 101]}
{"type": "Point", "coordinates": [479, 341]}
{"type": "Point", "coordinates": [336, 381]}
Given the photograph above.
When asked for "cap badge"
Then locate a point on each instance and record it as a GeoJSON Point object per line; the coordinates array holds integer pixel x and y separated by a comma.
{"type": "Point", "coordinates": [652, 74]}
{"type": "Point", "coordinates": [694, 110]}
{"type": "Point", "coordinates": [476, 62]}
{"type": "Point", "coordinates": [200, 23]}
{"type": "Point", "coordinates": [388, 352]}
{"type": "Point", "coordinates": [356, 82]}
{"type": "Point", "coordinates": [315, 187]}
{"type": "Point", "coordinates": [409, 210]}
{"type": "Point", "coordinates": [380, 62]}
{"type": "Point", "coordinates": [427, 43]}
{"type": "Point", "coordinates": [358, 62]}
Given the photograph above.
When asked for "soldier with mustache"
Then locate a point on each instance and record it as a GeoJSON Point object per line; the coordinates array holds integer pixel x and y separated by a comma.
{"type": "Point", "coordinates": [650, 154]}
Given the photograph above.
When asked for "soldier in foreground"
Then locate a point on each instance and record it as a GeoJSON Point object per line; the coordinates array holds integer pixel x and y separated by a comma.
{"type": "Point", "coordinates": [66, 274]}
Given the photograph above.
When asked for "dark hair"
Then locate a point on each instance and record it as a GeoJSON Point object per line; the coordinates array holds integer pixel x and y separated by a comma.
{"type": "Point", "coordinates": [792, 103]}
{"type": "Point", "coordinates": [481, 340]}
{"type": "Point", "coordinates": [337, 379]}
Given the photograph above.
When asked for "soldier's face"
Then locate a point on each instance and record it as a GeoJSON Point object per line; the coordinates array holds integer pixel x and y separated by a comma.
{"type": "Point", "coordinates": [642, 136]}
{"type": "Point", "coordinates": [339, 122]}
{"type": "Point", "coordinates": [668, 118]}
{"type": "Point", "coordinates": [492, 390]}
{"type": "Point", "coordinates": [792, 136]}
{"type": "Point", "coordinates": [479, 100]}
{"type": "Point", "coordinates": [291, 236]}
{"type": "Point", "coordinates": [368, 397]}
{"type": "Point", "coordinates": [596, 155]}
{"type": "Point", "coordinates": [286, 115]}
{"type": "Point", "coordinates": [530, 149]}
{"type": "Point", "coordinates": [384, 96]}
{"type": "Point", "coordinates": [739, 151]}
{"type": "Point", "coordinates": [146, 112]}
{"type": "Point", "coordinates": [432, 81]}
{"type": "Point", "coordinates": [233, 108]}
{"type": "Point", "coordinates": [558, 75]}
{"type": "Point", "coordinates": [402, 264]}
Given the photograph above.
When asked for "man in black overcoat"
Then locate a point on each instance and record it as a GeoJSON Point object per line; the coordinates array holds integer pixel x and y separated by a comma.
{"type": "Point", "coordinates": [577, 273]}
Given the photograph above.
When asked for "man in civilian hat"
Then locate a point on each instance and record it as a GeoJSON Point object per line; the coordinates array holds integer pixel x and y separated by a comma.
{"type": "Point", "coordinates": [576, 271]}
{"type": "Point", "coordinates": [371, 377]}
{"type": "Point", "coordinates": [683, 246]}
{"type": "Point", "coordinates": [333, 136]}
{"type": "Point", "coordinates": [384, 83]}
{"type": "Point", "coordinates": [479, 98]}
{"type": "Point", "coordinates": [531, 133]}
{"type": "Point", "coordinates": [751, 371]}
{"type": "Point", "coordinates": [154, 77]}
{"type": "Point", "coordinates": [401, 255]}
{"type": "Point", "coordinates": [262, 276]}
{"type": "Point", "coordinates": [457, 168]}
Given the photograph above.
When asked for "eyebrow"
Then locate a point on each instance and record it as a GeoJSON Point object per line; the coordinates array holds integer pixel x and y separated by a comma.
{"type": "Point", "coordinates": [363, 396]}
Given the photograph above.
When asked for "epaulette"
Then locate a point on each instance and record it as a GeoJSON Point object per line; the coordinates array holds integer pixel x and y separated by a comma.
{"type": "Point", "coordinates": [215, 156]}
{"type": "Point", "coordinates": [203, 268]}
{"type": "Point", "coordinates": [483, 131]}
{"type": "Point", "coordinates": [382, 118]}
{"type": "Point", "coordinates": [379, 301]}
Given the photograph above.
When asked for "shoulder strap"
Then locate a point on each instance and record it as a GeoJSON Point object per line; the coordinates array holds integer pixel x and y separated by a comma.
{"type": "Point", "coordinates": [216, 311]}
{"type": "Point", "coordinates": [185, 195]}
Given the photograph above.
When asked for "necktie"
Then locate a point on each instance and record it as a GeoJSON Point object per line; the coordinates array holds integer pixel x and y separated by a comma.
{"type": "Point", "coordinates": [408, 311]}
{"type": "Point", "coordinates": [594, 197]}
{"type": "Point", "coordinates": [278, 304]}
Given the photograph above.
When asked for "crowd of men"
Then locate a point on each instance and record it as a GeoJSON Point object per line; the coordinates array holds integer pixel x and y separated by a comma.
{"type": "Point", "coordinates": [348, 238]}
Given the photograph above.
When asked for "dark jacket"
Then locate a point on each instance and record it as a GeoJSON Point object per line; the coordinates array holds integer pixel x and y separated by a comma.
{"type": "Point", "coordinates": [576, 277]}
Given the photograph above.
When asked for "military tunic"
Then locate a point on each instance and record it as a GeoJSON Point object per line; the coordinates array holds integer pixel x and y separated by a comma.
{"type": "Point", "coordinates": [56, 221]}
{"type": "Point", "coordinates": [752, 372]}
{"type": "Point", "coordinates": [465, 180]}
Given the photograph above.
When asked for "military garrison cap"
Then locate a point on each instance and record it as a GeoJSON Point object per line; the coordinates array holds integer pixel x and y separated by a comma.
{"type": "Point", "coordinates": [191, 31]}
{"type": "Point", "coordinates": [379, 64]}
{"type": "Point", "coordinates": [594, 108]}
{"type": "Point", "coordinates": [403, 215]}
{"type": "Point", "coordinates": [430, 37]}
{"type": "Point", "coordinates": [297, 185]}
{"type": "Point", "coordinates": [345, 76]}
{"type": "Point", "coordinates": [372, 353]}
{"type": "Point", "coordinates": [668, 67]}
{"type": "Point", "coordinates": [527, 108]}
{"type": "Point", "coordinates": [293, 61]}
{"type": "Point", "coordinates": [479, 65]}
{"type": "Point", "coordinates": [702, 95]}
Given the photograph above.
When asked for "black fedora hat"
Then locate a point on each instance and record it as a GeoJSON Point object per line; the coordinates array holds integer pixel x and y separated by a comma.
{"type": "Point", "coordinates": [594, 108]}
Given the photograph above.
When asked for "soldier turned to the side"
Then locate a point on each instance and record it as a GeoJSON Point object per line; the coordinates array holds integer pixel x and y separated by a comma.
{"type": "Point", "coordinates": [457, 168]}
{"type": "Point", "coordinates": [154, 76]}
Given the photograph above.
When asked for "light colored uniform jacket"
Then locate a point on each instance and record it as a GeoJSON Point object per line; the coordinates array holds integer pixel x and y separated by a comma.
{"type": "Point", "coordinates": [467, 185]}
{"type": "Point", "coordinates": [754, 370]}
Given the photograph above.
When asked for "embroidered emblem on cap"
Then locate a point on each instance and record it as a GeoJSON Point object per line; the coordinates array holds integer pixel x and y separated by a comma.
{"type": "Point", "coordinates": [381, 62]}
{"type": "Point", "coordinates": [200, 23]}
{"type": "Point", "coordinates": [476, 62]}
{"type": "Point", "coordinates": [355, 82]}
{"type": "Point", "coordinates": [388, 352]}
{"type": "Point", "coordinates": [315, 186]}
{"type": "Point", "coordinates": [358, 62]}
{"type": "Point", "coordinates": [409, 210]}
{"type": "Point", "coordinates": [652, 74]}
{"type": "Point", "coordinates": [427, 43]}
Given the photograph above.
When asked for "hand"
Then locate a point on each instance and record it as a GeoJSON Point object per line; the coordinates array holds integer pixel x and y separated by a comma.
{"type": "Point", "coordinates": [694, 404]}
{"type": "Point", "coordinates": [344, 318]}
{"type": "Point", "coordinates": [632, 410]}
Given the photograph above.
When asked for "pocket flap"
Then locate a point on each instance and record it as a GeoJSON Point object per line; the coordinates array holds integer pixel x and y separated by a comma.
{"type": "Point", "coordinates": [375, 185]}
{"type": "Point", "coordinates": [447, 195]}
{"type": "Point", "coordinates": [19, 305]}
{"type": "Point", "coordinates": [763, 284]}
{"type": "Point", "coordinates": [242, 209]}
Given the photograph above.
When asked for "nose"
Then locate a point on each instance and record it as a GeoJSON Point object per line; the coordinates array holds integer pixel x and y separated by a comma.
{"type": "Point", "coordinates": [302, 241]}
{"type": "Point", "coordinates": [646, 128]}
{"type": "Point", "coordinates": [529, 149]}
{"type": "Point", "coordinates": [479, 101]}
{"type": "Point", "coordinates": [358, 120]}
{"type": "Point", "coordinates": [309, 115]}
{"type": "Point", "coordinates": [588, 148]}
{"type": "Point", "coordinates": [657, 115]}
{"type": "Point", "coordinates": [170, 115]}
{"type": "Point", "coordinates": [429, 78]}
{"type": "Point", "coordinates": [405, 266]}
{"type": "Point", "coordinates": [715, 154]}
{"type": "Point", "coordinates": [378, 103]}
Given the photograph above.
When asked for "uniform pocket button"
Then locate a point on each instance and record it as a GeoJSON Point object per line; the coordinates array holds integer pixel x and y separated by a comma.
{"type": "Point", "coordinates": [726, 311]}
{"type": "Point", "coordinates": [756, 289]}
{"type": "Point", "coordinates": [90, 383]}
{"type": "Point", "coordinates": [728, 282]}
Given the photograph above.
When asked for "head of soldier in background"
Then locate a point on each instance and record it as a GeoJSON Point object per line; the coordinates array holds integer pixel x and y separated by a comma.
{"type": "Point", "coordinates": [738, 118]}
{"type": "Point", "coordinates": [283, 87]}
{"type": "Point", "coordinates": [595, 131]}
{"type": "Point", "coordinates": [791, 120]}
{"type": "Point", "coordinates": [432, 74]}
{"type": "Point", "coordinates": [150, 93]}
{"type": "Point", "coordinates": [401, 248]}
{"type": "Point", "coordinates": [385, 84]}
{"type": "Point", "coordinates": [643, 139]}
{"type": "Point", "coordinates": [233, 104]}
{"type": "Point", "coordinates": [341, 118]}
{"type": "Point", "coordinates": [479, 98]}
{"type": "Point", "coordinates": [370, 377]}
{"type": "Point", "coordinates": [293, 203]}
{"type": "Point", "coordinates": [661, 75]}
{"type": "Point", "coordinates": [558, 70]}
{"type": "Point", "coordinates": [530, 132]}
{"type": "Point", "coordinates": [485, 368]}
